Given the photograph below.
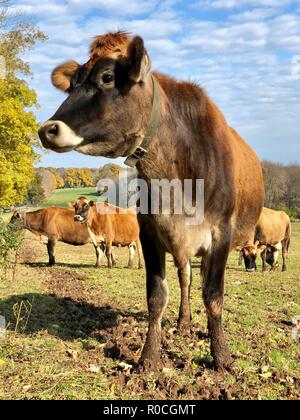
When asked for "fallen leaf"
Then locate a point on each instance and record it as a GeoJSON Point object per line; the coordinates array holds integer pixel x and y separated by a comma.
{"type": "Point", "coordinates": [73, 353]}
{"type": "Point", "coordinates": [125, 366]}
{"type": "Point", "coordinates": [94, 369]}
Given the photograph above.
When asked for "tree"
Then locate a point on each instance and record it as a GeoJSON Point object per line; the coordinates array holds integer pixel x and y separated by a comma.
{"type": "Point", "coordinates": [75, 177]}
{"type": "Point", "coordinates": [109, 171]}
{"type": "Point", "coordinates": [35, 194]}
{"type": "Point", "coordinates": [86, 176]}
{"type": "Point", "coordinates": [60, 183]}
{"type": "Point", "coordinates": [18, 125]}
{"type": "Point", "coordinates": [48, 182]}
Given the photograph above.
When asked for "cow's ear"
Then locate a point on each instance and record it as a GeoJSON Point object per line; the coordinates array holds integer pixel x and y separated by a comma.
{"type": "Point", "coordinates": [62, 75]}
{"type": "Point", "coordinates": [91, 203]}
{"type": "Point", "coordinates": [261, 249]}
{"type": "Point", "coordinates": [71, 204]}
{"type": "Point", "coordinates": [140, 64]}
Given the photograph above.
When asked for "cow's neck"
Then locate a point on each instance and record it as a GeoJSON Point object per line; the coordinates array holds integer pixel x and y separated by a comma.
{"type": "Point", "coordinates": [187, 144]}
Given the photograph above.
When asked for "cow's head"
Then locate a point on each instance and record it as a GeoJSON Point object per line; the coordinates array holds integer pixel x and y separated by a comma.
{"type": "Point", "coordinates": [16, 217]}
{"type": "Point", "coordinates": [102, 113]}
{"type": "Point", "coordinates": [82, 209]}
{"type": "Point", "coordinates": [250, 253]}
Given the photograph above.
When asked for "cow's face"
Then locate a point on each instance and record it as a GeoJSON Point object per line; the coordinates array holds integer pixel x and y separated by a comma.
{"type": "Point", "coordinates": [250, 254]}
{"type": "Point", "coordinates": [16, 217]}
{"type": "Point", "coordinates": [82, 210]}
{"type": "Point", "coordinates": [109, 104]}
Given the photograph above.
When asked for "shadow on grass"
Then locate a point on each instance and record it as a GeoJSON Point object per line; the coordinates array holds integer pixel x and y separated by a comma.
{"type": "Point", "coordinates": [65, 318]}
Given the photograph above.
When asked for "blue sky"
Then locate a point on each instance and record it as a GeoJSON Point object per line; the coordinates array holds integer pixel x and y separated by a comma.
{"type": "Point", "coordinates": [245, 53]}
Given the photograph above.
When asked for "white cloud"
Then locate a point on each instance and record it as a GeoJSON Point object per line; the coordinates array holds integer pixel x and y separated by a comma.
{"type": "Point", "coordinates": [238, 4]}
{"type": "Point", "coordinates": [243, 61]}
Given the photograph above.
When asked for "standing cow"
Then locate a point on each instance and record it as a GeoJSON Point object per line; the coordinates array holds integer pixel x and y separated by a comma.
{"type": "Point", "coordinates": [56, 224]}
{"type": "Point", "coordinates": [272, 235]}
{"type": "Point", "coordinates": [110, 226]}
{"type": "Point", "coordinates": [169, 130]}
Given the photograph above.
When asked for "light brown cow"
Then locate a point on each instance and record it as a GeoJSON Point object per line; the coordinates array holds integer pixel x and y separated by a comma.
{"type": "Point", "coordinates": [56, 224]}
{"type": "Point", "coordinates": [272, 235]}
{"type": "Point", "coordinates": [171, 131]}
{"type": "Point", "coordinates": [111, 226]}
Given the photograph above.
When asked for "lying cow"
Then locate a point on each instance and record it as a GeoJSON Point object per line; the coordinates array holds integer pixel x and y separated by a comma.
{"type": "Point", "coordinates": [110, 226]}
{"type": "Point", "coordinates": [56, 224]}
{"type": "Point", "coordinates": [272, 235]}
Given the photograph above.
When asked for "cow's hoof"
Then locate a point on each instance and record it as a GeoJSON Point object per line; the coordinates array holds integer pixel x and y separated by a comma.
{"type": "Point", "coordinates": [50, 264]}
{"type": "Point", "coordinates": [148, 366]}
{"type": "Point", "coordinates": [184, 327]}
{"type": "Point", "coordinates": [284, 268]}
{"type": "Point", "coordinates": [225, 364]}
{"type": "Point", "coordinates": [141, 267]}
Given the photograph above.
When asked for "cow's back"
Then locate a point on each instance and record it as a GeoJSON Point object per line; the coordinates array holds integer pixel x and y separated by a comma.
{"type": "Point", "coordinates": [272, 226]}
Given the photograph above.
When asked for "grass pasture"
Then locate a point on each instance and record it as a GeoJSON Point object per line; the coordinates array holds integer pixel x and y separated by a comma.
{"type": "Point", "coordinates": [60, 198]}
{"type": "Point", "coordinates": [74, 331]}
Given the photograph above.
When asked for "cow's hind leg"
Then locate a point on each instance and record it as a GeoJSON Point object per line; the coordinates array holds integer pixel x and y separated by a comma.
{"type": "Point", "coordinates": [51, 251]}
{"type": "Point", "coordinates": [213, 273]}
{"type": "Point", "coordinates": [284, 255]}
{"type": "Point", "coordinates": [185, 279]}
{"type": "Point", "coordinates": [157, 298]}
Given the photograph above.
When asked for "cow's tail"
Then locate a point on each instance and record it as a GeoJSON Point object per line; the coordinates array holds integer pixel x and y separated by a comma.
{"type": "Point", "coordinates": [288, 235]}
{"type": "Point", "coordinates": [139, 252]}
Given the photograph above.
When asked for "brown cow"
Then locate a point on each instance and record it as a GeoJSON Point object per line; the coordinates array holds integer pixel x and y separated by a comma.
{"type": "Point", "coordinates": [56, 224]}
{"type": "Point", "coordinates": [272, 235]}
{"type": "Point", "coordinates": [170, 130]}
{"type": "Point", "coordinates": [111, 226]}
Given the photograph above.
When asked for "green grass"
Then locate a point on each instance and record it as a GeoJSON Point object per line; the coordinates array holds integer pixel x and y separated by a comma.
{"type": "Point", "coordinates": [80, 312]}
{"type": "Point", "coordinates": [60, 198]}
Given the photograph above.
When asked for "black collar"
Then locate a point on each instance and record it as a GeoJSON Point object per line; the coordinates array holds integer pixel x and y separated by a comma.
{"type": "Point", "coordinates": [133, 159]}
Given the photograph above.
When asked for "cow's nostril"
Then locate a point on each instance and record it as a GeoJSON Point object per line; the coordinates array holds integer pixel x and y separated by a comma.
{"type": "Point", "coordinates": [52, 131]}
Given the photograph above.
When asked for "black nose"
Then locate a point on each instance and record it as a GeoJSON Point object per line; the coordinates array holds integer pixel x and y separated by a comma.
{"type": "Point", "coordinates": [48, 133]}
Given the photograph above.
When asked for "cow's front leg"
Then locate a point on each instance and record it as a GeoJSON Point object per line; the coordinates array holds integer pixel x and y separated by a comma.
{"type": "Point", "coordinates": [51, 251]}
{"type": "Point", "coordinates": [185, 279]}
{"type": "Point", "coordinates": [131, 250]}
{"type": "Point", "coordinates": [109, 255]}
{"type": "Point", "coordinates": [157, 298]}
{"type": "Point", "coordinates": [264, 260]}
{"type": "Point", "coordinates": [214, 265]}
{"type": "Point", "coordinates": [100, 249]}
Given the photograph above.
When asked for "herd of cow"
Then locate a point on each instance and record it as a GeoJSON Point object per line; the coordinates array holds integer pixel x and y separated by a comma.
{"type": "Point", "coordinates": [106, 226]}
{"type": "Point", "coordinates": [116, 106]}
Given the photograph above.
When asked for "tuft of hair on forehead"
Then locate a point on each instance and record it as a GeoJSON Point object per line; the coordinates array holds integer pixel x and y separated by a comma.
{"type": "Point", "coordinates": [110, 42]}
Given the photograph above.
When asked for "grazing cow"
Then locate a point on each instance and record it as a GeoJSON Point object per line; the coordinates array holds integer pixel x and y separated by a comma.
{"type": "Point", "coordinates": [110, 226]}
{"type": "Point", "coordinates": [272, 235]}
{"type": "Point", "coordinates": [56, 224]}
{"type": "Point", "coordinates": [169, 130]}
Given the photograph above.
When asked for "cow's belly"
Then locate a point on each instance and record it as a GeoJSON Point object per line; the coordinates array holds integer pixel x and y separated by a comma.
{"type": "Point", "coordinates": [181, 240]}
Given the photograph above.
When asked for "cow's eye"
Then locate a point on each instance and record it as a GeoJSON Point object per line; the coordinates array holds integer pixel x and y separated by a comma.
{"type": "Point", "coordinates": [107, 79]}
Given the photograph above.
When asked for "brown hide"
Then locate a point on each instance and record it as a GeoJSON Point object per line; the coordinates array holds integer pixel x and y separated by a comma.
{"type": "Point", "coordinates": [57, 224]}
{"type": "Point", "coordinates": [273, 227]}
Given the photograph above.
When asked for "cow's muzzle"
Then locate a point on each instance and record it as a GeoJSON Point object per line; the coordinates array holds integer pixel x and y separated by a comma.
{"type": "Point", "coordinates": [58, 136]}
{"type": "Point", "coordinates": [78, 218]}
